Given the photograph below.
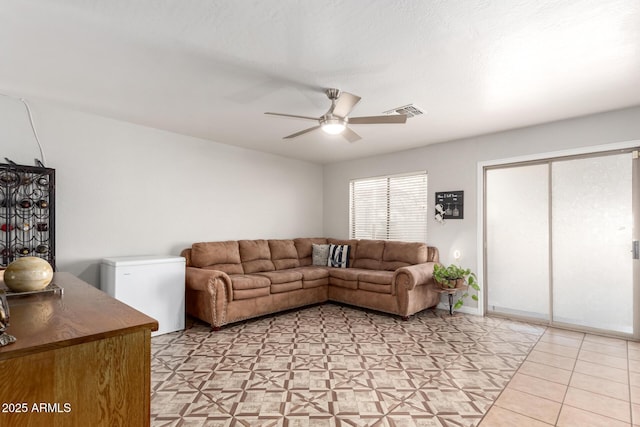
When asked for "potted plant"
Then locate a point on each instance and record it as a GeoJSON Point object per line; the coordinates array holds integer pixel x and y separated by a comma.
{"type": "Point", "coordinates": [455, 277]}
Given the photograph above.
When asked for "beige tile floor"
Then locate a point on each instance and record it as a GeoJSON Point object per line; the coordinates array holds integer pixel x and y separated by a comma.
{"type": "Point", "coordinates": [572, 379]}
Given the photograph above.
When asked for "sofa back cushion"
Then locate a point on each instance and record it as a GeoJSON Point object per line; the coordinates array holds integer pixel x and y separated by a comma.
{"type": "Point", "coordinates": [402, 254]}
{"type": "Point", "coordinates": [255, 256]}
{"type": "Point", "coordinates": [223, 256]}
{"type": "Point", "coordinates": [432, 254]}
{"type": "Point", "coordinates": [283, 254]}
{"type": "Point", "coordinates": [186, 254]}
{"type": "Point", "coordinates": [369, 254]}
{"type": "Point", "coordinates": [304, 248]}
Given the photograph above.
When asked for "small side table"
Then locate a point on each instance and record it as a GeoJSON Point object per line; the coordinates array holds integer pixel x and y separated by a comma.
{"type": "Point", "coordinates": [450, 292]}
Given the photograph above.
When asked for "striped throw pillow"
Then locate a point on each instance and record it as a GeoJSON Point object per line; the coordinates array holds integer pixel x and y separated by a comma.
{"type": "Point", "coordinates": [339, 256]}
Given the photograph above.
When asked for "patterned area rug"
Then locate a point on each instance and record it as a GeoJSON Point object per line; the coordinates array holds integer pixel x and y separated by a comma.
{"type": "Point", "coordinates": [331, 365]}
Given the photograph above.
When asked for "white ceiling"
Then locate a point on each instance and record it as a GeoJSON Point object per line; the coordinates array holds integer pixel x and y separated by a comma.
{"type": "Point", "coordinates": [211, 68]}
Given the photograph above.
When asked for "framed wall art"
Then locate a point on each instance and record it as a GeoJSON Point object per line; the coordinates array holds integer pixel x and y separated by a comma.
{"type": "Point", "coordinates": [450, 204]}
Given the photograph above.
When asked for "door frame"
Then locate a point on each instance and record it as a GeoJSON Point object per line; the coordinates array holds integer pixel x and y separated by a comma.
{"type": "Point", "coordinates": [541, 157]}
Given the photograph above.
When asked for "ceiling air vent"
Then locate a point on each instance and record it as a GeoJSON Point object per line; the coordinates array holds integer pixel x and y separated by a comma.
{"type": "Point", "coordinates": [408, 110]}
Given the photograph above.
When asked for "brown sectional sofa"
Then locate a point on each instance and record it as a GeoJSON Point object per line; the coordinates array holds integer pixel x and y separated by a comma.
{"type": "Point", "coordinates": [231, 281]}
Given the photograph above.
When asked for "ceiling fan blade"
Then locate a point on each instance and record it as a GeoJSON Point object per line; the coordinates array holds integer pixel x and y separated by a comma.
{"type": "Point", "coordinates": [368, 120]}
{"type": "Point", "coordinates": [294, 116]}
{"type": "Point", "coordinates": [302, 132]}
{"type": "Point", "coordinates": [345, 103]}
{"type": "Point", "coordinates": [350, 135]}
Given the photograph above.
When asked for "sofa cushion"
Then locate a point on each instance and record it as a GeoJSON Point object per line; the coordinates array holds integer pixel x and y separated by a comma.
{"type": "Point", "coordinates": [225, 268]}
{"type": "Point", "coordinates": [283, 254]}
{"type": "Point", "coordinates": [285, 287]}
{"type": "Point", "coordinates": [313, 273]}
{"type": "Point", "coordinates": [379, 277]}
{"type": "Point", "coordinates": [250, 293]}
{"type": "Point", "coordinates": [320, 255]}
{"type": "Point", "coordinates": [223, 256]}
{"type": "Point", "coordinates": [369, 254]}
{"type": "Point", "coordinates": [255, 256]}
{"type": "Point", "coordinates": [313, 277]}
{"type": "Point", "coordinates": [345, 273]}
{"type": "Point", "coordinates": [283, 276]}
{"type": "Point", "coordinates": [402, 254]}
{"type": "Point", "coordinates": [284, 280]}
{"type": "Point", "coordinates": [245, 286]}
{"type": "Point", "coordinates": [375, 287]}
{"type": "Point", "coordinates": [344, 277]}
{"type": "Point", "coordinates": [305, 249]}
{"type": "Point", "coordinates": [339, 256]}
{"type": "Point", "coordinates": [376, 281]}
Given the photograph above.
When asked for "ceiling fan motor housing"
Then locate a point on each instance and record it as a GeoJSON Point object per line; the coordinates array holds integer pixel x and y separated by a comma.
{"type": "Point", "coordinates": [332, 94]}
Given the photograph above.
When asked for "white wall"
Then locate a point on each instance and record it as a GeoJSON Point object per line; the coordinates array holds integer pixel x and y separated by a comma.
{"type": "Point", "coordinates": [453, 166]}
{"type": "Point", "coordinates": [124, 189]}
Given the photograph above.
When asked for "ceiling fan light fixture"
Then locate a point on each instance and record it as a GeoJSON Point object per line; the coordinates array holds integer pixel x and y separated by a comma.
{"type": "Point", "coordinates": [336, 119]}
{"type": "Point", "coordinates": [333, 125]}
{"type": "Point", "coordinates": [333, 128]}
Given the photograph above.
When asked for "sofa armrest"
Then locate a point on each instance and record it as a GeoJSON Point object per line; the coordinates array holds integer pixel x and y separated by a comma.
{"type": "Point", "coordinates": [414, 290]}
{"type": "Point", "coordinates": [414, 275]}
{"type": "Point", "coordinates": [214, 284]}
{"type": "Point", "coordinates": [199, 279]}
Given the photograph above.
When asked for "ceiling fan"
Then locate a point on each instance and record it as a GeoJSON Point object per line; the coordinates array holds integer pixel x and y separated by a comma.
{"type": "Point", "coordinates": [334, 121]}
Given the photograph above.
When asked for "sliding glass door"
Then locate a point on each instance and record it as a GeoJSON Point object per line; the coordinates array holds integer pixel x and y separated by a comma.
{"type": "Point", "coordinates": [558, 240]}
{"type": "Point", "coordinates": [592, 222]}
{"type": "Point", "coordinates": [517, 240]}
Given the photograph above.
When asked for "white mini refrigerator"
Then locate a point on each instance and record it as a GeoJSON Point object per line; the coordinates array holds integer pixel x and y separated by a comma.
{"type": "Point", "coordinates": [153, 285]}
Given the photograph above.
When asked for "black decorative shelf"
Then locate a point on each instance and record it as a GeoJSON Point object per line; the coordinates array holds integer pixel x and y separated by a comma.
{"type": "Point", "coordinates": [27, 213]}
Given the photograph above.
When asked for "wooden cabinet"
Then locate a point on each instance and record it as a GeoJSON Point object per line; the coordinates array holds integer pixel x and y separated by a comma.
{"type": "Point", "coordinates": [81, 359]}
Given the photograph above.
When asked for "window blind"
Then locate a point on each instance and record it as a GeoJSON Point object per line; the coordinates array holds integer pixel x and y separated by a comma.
{"type": "Point", "coordinates": [389, 207]}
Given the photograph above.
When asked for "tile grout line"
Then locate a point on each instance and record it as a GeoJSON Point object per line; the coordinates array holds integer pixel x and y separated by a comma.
{"type": "Point", "coordinates": [582, 341]}
{"type": "Point", "coordinates": [629, 384]}
{"type": "Point", "coordinates": [546, 328]}
{"type": "Point", "coordinates": [573, 370]}
{"type": "Point", "coordinates": [527, 357]}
